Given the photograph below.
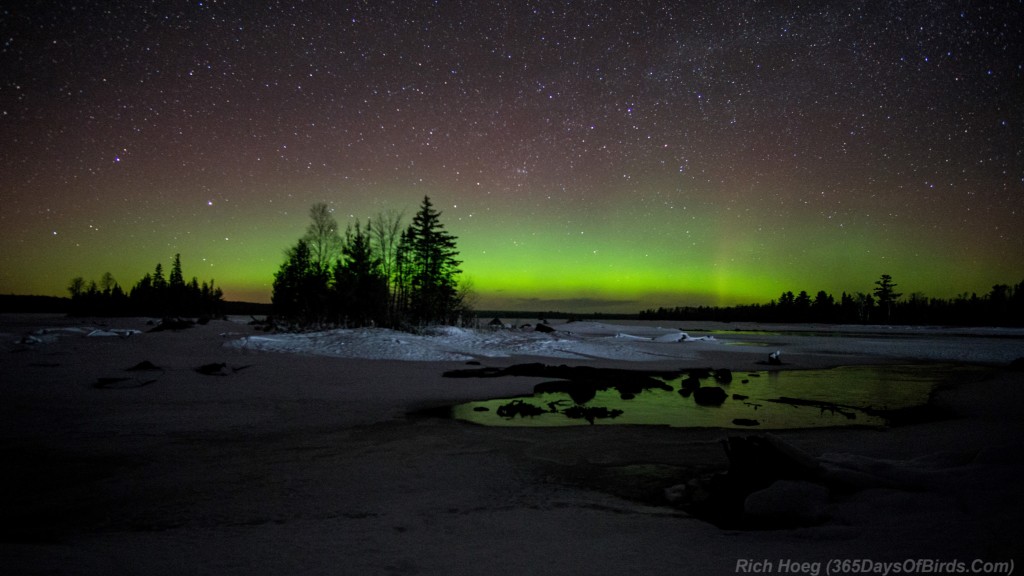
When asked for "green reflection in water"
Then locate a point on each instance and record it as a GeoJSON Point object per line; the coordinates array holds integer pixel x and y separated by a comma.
{"type": "Point", "coordinates": [844, 396]}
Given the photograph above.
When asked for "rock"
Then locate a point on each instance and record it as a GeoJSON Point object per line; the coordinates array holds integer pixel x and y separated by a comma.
{"type": "Point", "coordinates": [544, 328]}
{"type": "Point", "coordinates": [690, 383]}
{"type": "Point", "coordinates": [739, 397]}
{"type": "Point", "coordinates": [723, 376]}
{"type": "Point", "coordinates": [519, 408]}
{"type": "Point", "coordinates": [580, 392]}
{"type": "Point", "coordinates": [173, 324]}
{"type": "Point", "coordinates": [591, 413]}
{"type": "Point", "coordinates": [709, 396]}
{"type": "Point", "coordinates": [213, 369]}
{"type": "Point", "coordinates": [788, 502]}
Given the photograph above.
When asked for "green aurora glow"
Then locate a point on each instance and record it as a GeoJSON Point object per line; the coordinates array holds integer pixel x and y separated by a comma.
{"type": "Point", "coordinates": [611, 158]}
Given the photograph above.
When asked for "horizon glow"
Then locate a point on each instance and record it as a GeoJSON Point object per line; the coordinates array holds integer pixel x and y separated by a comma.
{"type": "Point", "coordinates": [604, 157]}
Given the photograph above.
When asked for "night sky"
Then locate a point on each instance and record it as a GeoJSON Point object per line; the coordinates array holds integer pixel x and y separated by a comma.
{"type": "Point", "coordinates": [590, 156]}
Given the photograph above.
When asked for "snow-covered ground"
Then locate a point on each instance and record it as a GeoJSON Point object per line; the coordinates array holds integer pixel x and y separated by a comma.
{"type": "Point", "coordinates": [300, 455]}
{"type": "Point", "coordinates": [575, 340]}
{"type": "Point", "coordinates": [637, 342]}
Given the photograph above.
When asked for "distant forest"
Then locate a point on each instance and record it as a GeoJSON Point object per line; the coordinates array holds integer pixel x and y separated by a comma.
{"type": "Point", "coordinates": [1002, 306]}
{"type": "Point", "coordinates": [386, 275]}
{"type": "Point", "coordinates": [154, 295]}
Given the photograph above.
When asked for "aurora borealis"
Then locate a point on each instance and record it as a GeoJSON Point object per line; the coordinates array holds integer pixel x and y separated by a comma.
{"type": "Point", "coordinates": [589, 156]}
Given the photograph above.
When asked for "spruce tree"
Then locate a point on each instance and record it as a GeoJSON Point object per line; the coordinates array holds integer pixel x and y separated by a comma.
{"type": "Point", "coordinates": [300, 287]}
{"type": "Point", "coordinates": [431, 251]}
{"type": "Point", "coordinates": [885, 292]}
{"type": "Point", "coordinates": [360, 288]}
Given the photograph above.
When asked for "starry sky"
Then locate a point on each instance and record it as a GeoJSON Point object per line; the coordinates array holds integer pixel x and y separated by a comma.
{"type": "Point", "coordinates": [590, 156]}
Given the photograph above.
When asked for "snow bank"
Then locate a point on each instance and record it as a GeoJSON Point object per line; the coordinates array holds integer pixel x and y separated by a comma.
{"type": "Point", "coordinates": [571, 341]}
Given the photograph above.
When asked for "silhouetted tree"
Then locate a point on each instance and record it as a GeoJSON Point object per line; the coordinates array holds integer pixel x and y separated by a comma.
{"type": "Point", "coordinates": [176, 279]}
{"type": "Point", "coordinates": [176, 295]}
{"type": "Point", "coordinates": [802, 307]}
{"type": "Point", "coordinates": [300, 287]}
{"type": "Point", "coordinates": [360, 290]}
{"type": "Point", "coordinates": [885, 292]}
{"type": "Point", "coordinates": [822, 307]}
{"type": "Point", "coordinates": [147, 298]}
{"type": "Point", "coordinates": [159, 282]}
{"type": "Point", "coordinates": [385, 232]}
{"type": "Point", "coordinates": [77, 287]}
{"type": "Point", "coordinates": [322, 236]}
{"type": "Point", "coordinates": [433, 290]}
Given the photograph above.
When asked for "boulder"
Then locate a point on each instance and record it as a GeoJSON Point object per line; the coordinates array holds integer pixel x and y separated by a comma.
{"type": "Point", "coordinates": [709, 396]}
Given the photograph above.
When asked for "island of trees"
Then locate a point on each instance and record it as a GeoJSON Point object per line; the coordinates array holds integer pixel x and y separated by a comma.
{"type": "Point", "coordinates": [382, 274]}
{"type": "Point", "coordinates": [154, 295]}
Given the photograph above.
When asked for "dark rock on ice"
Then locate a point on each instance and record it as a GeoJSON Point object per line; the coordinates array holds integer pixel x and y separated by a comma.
{"type": "Point", "coordinates": [173, 324]}
{"type": "Point", "coordinates": [709, 396]}
{"type": "Point", "coordinates": [519, 408]}
{"type": "Point", "coordinates": [690, 383]}
{"type": "Point", "coordinates": [591, 413]}
{"type": "Point", "coordinates": [213, 369]}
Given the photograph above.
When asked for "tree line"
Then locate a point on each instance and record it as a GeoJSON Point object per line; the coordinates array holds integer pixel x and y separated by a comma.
{"type": "Point", "coordinates": [383, 273]}
{"type": "Point", "coordinates": [1002, 306]}
{"type": "Point", "coordinates": [153, 295]}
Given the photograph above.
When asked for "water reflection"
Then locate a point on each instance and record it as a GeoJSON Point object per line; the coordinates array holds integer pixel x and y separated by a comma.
{"type": "Point", "coordinates": [844, 396]}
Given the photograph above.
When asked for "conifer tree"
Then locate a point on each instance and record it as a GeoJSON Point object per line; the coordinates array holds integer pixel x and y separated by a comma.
{"type": "Point", "coordinates": [300, 287]}
{"type": "Point", "coordinates": [885, 292]}
{"type": "Point", "coordinates": [431, 253]}
{"type": "Point", "coordinates": [360, 288]}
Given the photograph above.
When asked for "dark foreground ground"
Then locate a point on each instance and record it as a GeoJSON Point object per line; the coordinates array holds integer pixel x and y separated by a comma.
{"type": "Point", "coordinates": [288, 464]}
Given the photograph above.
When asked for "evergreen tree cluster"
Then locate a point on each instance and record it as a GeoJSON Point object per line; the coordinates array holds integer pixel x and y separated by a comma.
{"type": "Point", "coordinates": [154, 295]}
{"type": "Point", "coordinates": [1002, 306]}
{"type": "Point", "coordinates": [377, 274]}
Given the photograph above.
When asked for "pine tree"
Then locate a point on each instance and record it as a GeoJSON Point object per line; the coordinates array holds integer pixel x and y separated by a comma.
{"type": "Point", "coordinates": [300, 287]}
{"type": "Point", "coordinates": [431, 252]}
{"type": "Point", "coordinates": [159, 282]}
{"type": "Point", "coordinates": [885, 292]}
{"type": "Point", "coordinates": [360, 288]}
{"type": "Point", "coordinates": [176, 280]}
